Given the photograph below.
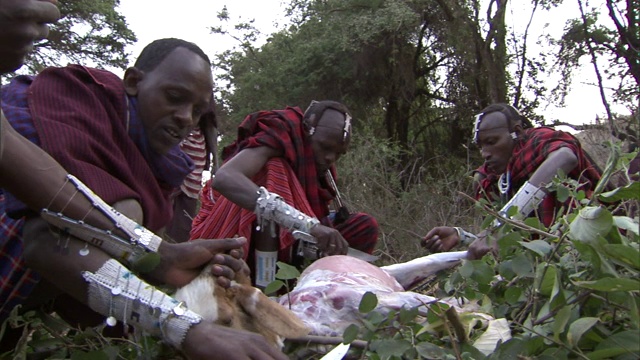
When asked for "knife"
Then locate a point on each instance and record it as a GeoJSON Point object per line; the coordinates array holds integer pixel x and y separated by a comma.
{"type": "Point", "coordinates": [337, 353]}
{"type": "Point", "coordinates": [308, 248]}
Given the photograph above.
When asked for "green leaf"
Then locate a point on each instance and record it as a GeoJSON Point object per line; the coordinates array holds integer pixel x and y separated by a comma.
{"type": "Point", "coordinates": [368, 303]}
{"type": "Point", "coordinates": [54, 323]}
{"type": "Point", "coordinates": [91, 355]}
{"type": "Point", "coordinates": [625, 342]}
{"type": "Point", "coordinates": [634, 312]}
{"type": "Point", "coordinates": [112, 352]}
{"type": "Point", "coordinates": [46, 344]}
{"type": "Point", "coordinates": [505, 269]}
{"type": "Point", "coordinates": [387, 348]}
{"type": "Point", "coordinates": [626, 223]}
{"type": "Point", "coordinates": [624, 253]}
{"type": "Point", "coordinates": [522, 265]}
{"type": "Point", "coordinates": [629, 192]}
{"type": "Point", "coordinates": [590, 223]}
{"type": "Point", "coordinates": [578, 328]}
{"type": "Point", "coordinates": [428, 350]}
{"type": "Point", "coordinates": [540, 247]}
{"type": "Point", "coordinates": [375, 318]}
{"type": "Point", "coordinates": [562, 193]}
{"type": "Point", "coordinates": [408, 314]}
{"type": "Point", "coordinates": [561, 321]}
{"type": "Point", "coordinates": [466, 269]}
{"type": "Point", "coordinates": [286, 271]}
{"type": "Point", "coordinates": [512, 295]}
{"type": "Point", "coordinates": [546, 283]}
{"type": "Point", "coordinates": [590, 254]}
{"type": "Point", "coordinates": [497, 332]}
{"type": "Point", "coordinates": [350, 333]}
{"type": "Point", "coordinates": [557, 294]}
{"type": "Point", "coordinates": [508, 242]}
{"type": "Point", "coordinates": [535, 223]}
{"type": "Point", "coordinates": [611, 284]}
{"type": "Point", "coordinates": [468, 352]}
{"type": "Point", "coordinates": [482, 273]}
{"type": "Point", "coordinates": [273, 286]}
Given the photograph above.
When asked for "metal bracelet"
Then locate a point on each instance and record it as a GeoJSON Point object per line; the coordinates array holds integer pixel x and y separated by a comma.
{"type": "Point", "coordinates": [466, 238]}
{"type": "Point", "coordinates": [117, 293]}
{"type": "Point", "coordinates": [526, 199]}
{"type": "Point", "coordinates": [141, 241]}
{"type": "Point", "coordinates": [271, 207]}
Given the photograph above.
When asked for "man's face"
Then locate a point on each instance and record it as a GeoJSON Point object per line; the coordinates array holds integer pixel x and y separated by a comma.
{"type": "Point", "coordinates": [172, 97]}
{"type": "Point", "coordinates": [495, 141]}
{"type": "Point", "coordinates": [327, 141]}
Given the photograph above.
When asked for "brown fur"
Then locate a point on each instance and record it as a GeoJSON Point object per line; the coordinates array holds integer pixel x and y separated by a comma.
{"type": "Point", "coordinates": [241, 307]}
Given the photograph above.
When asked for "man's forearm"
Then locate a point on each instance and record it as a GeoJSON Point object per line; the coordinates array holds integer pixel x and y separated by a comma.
{"type": "Point", "coordinates": [238, 189]}
{"type": "Point", "coordinates": [562, 158]}
{"type": "Point", "coordinates": [38, 180]}
{"type": "Point", "coordinates": [106, 286]}
{"type": "Point", "coordinates": [59, 260]}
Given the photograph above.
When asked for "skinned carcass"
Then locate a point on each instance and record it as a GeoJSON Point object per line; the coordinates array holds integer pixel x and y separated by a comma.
{"type": "Point", "coordinates": [324, 301]}
{"type": "Point", "coordinates": [328, 292]}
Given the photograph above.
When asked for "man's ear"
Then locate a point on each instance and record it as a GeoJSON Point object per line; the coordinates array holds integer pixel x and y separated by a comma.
{"type": "Point", "coordinates": [132, 77]}
{"type": "Point", "coordinates": [517, 128]}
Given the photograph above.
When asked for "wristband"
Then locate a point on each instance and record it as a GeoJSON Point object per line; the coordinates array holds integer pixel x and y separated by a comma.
{"type": "Point", "coordinates": [271, 207]}
{"type": "Point", "coordinates": [466, 238]}
{"type": "Point", "coordinates": [526, 199]}
{"type": "Point", "coordinates": [117, 293]}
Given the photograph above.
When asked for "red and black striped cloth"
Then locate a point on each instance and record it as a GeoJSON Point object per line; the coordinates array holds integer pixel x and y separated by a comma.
{"type": "Point", "coordinates": [531, 150]}
{"type": "Point", "coordinates": [293, 176]}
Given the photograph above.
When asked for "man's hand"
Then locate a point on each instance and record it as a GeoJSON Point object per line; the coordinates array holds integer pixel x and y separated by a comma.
{"type": "Point", "coordinates": [480, 247]}
{"type": "Point", "coordinates": [330, 241]}
{"type": "Point", "coordinates": [441, 238]}
{"type": "Point", "coordinates": [21, 23]}
{"type": "Point", "coordinates": [181, 263]}
{"type": "Point", "coordinates": [209, 341]}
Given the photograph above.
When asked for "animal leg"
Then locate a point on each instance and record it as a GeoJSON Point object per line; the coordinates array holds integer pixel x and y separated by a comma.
{"type": "Point", "coordinates": [411, 272]}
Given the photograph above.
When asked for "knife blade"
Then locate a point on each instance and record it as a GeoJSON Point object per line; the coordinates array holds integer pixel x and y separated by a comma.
{"type": "Point", "coordinates": [337, 353]}
{"type": "Point", "coordinates": [308, 246]}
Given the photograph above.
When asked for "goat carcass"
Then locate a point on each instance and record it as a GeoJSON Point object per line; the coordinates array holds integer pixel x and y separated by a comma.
{"type": "Point", "coordinates": [328, 293]}
{"type": "Point", "coordinates": [324, 301]}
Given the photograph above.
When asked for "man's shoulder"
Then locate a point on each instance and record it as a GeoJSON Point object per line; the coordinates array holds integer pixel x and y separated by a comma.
{"type": "Point", "coordinates": [80, 73]}
{"type": "Point", "coordinates": [290, 113]}
{"type": "Point", "coordinates": [546, 131]}
{"type": "Point", "coordinates": [544, 134]}
{"type": "Point", "coordinates": [78, 86]}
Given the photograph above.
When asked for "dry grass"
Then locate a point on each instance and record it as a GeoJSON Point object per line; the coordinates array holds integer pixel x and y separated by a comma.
{"type": "Point", "coordinates": [370, 181]}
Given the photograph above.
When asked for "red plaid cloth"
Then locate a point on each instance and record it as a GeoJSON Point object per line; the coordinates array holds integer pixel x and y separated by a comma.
{"type": "Point", "coordinates": [16, 280]}
{"type": "Point", "coordinates": [531, 150]}
{"type": "Point", "coordinates": [220, 218]}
